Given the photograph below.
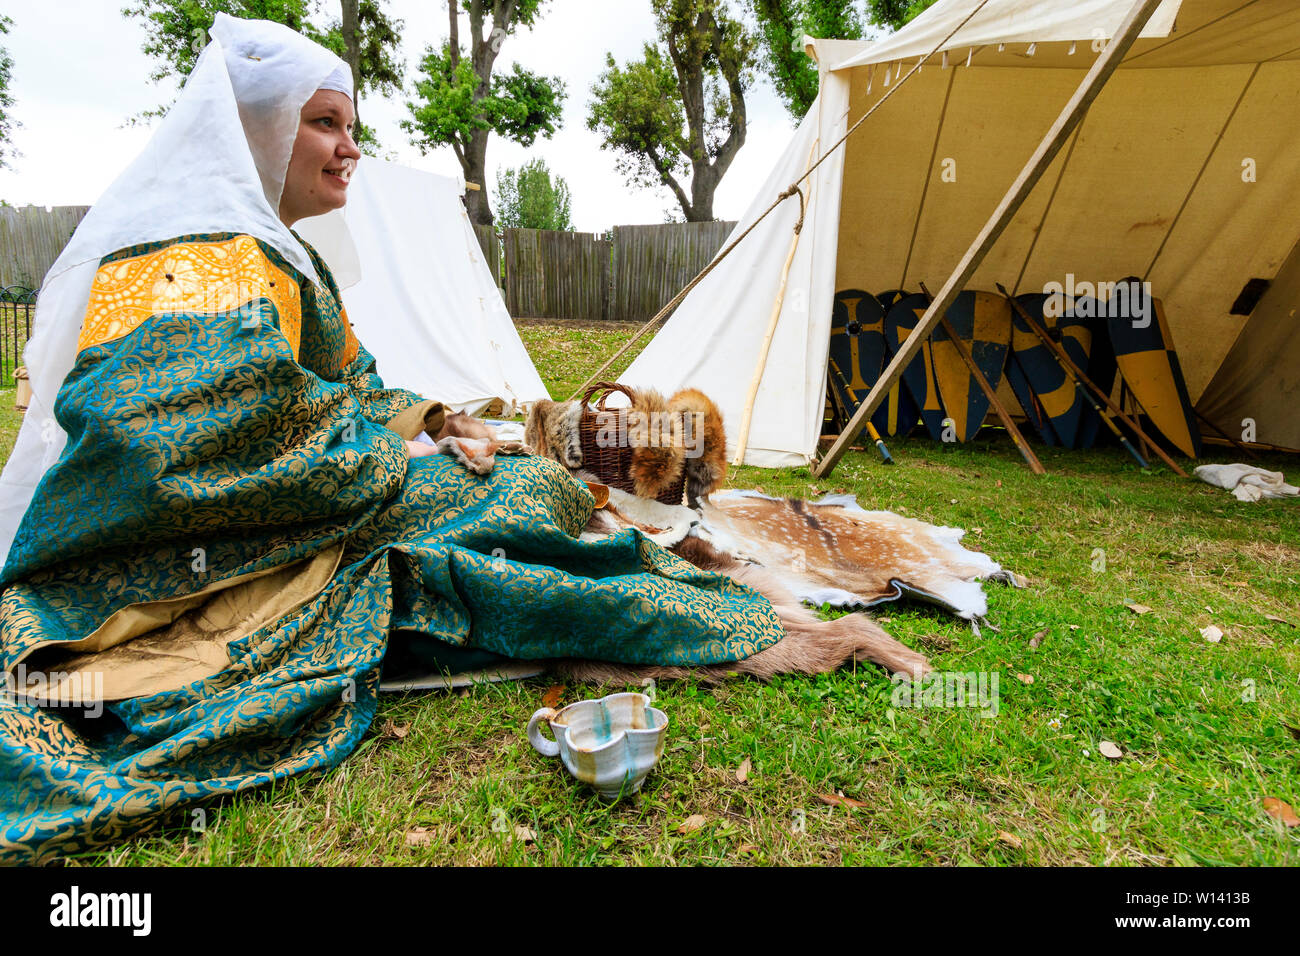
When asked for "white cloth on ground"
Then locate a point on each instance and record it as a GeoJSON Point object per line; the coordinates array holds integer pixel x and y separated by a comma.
{"type": "Point", "coordinates": [1246, 482]}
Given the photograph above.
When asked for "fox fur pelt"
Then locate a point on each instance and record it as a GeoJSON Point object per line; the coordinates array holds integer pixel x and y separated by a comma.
{"type": "Point", "coordinates": [706, 471]}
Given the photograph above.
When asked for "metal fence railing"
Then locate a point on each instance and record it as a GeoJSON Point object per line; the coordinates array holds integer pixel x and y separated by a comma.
{"type": "Point", "coordinates": [17, 306]}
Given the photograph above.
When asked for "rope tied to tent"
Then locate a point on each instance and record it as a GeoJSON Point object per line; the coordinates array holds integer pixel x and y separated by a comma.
{"type": "Point", "coordinates": [791, 190]}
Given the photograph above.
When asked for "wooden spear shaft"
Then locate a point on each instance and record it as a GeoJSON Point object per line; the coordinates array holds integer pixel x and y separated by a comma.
{"type": "Point", "coordinates": [1074, 373]}
{"type": "Point", "coordinates": [1063, 357]}
{"type": "Point", "coordinates": [959, 344]}
{"type": "Point", "coordinates": [1238, 445]}
{"type": "Point", "coordinates": [1050, 145]}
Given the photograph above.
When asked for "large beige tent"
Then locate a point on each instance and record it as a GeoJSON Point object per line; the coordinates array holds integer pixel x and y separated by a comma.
{"type": "Point", "coordinates": [1185, 172]}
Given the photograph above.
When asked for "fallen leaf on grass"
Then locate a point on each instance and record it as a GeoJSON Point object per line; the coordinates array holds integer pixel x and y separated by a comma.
{"type": "Point", "coordinates": [554, 694]}
{"type": "Point", "coordinates": [1212, 634]}
{"type": "Point", "coordinates": [691, 823]}
{"type": "Point", "coordinates": [420, 836]}
{"type": "Point", "coordinates": [1010, 838]}
{"type": "Point", "coordinates": [1074, 627]}
{"type": "Point", "coordinates": [1281, 810]}
{"type": "Point", "coordinates": [390, 729]}
{"type": "Point", "coordinates": [1038, 638]}
{"type": "Point", "coordinates": [1278, 620]}
{"type": "Point", "coordinates": [1025, 678]}
{"type": "Point", "coordinates": [742, 772]}
{"type": "Point", "coordinates": [839, 800]}
{"type": "Point", "coordinates": [525, 834]}
{"type": "Point", "coordinates": [1108, 749]}
{"type": "Point", "coordinates": [1138, 608]}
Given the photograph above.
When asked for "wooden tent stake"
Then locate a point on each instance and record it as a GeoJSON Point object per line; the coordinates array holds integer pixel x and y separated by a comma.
{"type": "Point", "coordinates": [1050, 145]}
{"type": "Point", "coordinates": [959, 344]}
{"type": "Point", "coordinates": [1074, 372]}
{"type": "Point", "coordinates": [1064, 358]}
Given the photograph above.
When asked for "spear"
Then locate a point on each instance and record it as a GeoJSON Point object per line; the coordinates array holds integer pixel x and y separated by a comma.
{"type": "Point", "coordinates": [1077, 373]}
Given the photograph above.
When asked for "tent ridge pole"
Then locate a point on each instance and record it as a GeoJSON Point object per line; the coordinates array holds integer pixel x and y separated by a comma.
{"type": "Point", "coordinates": [1052, 141]}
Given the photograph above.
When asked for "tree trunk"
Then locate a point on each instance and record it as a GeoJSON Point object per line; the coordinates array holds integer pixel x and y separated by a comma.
{"type": "Point", "coordinates": [351, 30]}
{"type": "Point", "coordinates": [689, 45]}
{"type": "Point", "coordinates": [704, 183]}
{"type": "Point", "coordinates": [483, 54]}
{"type": "Point", "coordinates": [453, 41]}
{"type": "Point", "coordinates": [476, 203]}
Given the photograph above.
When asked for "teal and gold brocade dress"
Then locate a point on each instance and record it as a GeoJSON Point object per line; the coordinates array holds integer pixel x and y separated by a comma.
{"type": "Point", "coordinates": [235, 531]}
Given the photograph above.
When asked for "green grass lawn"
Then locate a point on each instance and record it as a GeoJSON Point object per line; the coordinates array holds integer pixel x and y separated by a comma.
{"type": "Point", "coordinates": [1207, 730]}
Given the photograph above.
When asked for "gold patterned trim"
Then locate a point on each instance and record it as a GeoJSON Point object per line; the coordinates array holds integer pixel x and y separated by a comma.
{"type": "Point", "coordinates": [194, 277]}
{"type": "Point", "coordinates": [351, 345]}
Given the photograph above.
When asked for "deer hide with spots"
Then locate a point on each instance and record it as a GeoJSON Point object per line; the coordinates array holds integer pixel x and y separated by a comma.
{"type": "Point", "coordinates": [835, 552]}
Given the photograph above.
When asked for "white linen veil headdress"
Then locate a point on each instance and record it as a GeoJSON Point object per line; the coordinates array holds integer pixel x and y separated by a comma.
{"type": "Point", "coordinates": [216, 163]}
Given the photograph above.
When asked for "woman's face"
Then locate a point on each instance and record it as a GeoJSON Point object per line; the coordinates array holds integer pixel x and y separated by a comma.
{"type": "Point", "coordinates": [323, 158]}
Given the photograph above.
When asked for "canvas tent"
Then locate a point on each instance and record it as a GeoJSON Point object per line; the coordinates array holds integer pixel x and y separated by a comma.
{"type": "Point", "coordinates": [1184, 172]}
{"type": "Point", "coordinates": [419, 292]}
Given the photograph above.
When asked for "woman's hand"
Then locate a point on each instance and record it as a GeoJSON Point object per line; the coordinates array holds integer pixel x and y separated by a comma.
{"type": "Point", "coordinates": [418, 449]}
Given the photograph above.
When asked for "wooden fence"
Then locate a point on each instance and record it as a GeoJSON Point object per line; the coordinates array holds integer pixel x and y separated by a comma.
{"type": "Point", "coordinates": [626, 275]}
{"type": "Point", "coordinates": [31, 238]}
{"type": "Point", "coordinates": [556, 274]}
{"type": "Point", "coordinates": [490, 243]}
{"type": "Point", "coordinates": [653, 263]}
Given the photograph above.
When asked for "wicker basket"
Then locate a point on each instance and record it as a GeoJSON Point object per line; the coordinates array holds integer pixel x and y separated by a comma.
{"type": "Point", "coordinates": [612, 464]}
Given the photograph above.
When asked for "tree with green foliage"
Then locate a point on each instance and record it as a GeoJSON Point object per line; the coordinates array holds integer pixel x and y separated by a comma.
{"type": "Point", "coordinates": [7, 123]}
{"type": "Point", "coordinates": [781, 27]}
{"type": "Point", "coordinates": [783, 23]}
{"type": "Point", "coordinates": [461, 102]}
{"type": "Point", "coordinates": [894, 13]}
{"type": "Point", "coordinates": [528, 198]}
{"type": "Point", "coordinates": [680, 108]}
{"type": "Point", "coordinates": [366, 37]}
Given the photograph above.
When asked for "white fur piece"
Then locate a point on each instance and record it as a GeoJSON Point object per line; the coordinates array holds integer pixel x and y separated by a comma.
{"type": "Point", "coordinates": [663, 524]}
{"type": "Point", "coordinates": [476, 454]}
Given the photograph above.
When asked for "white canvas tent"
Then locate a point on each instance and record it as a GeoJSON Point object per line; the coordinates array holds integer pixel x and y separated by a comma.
{"type": "Point", "coordinates": [419, 293]}
{"type": "Point", "coordinates": [1185, 172]}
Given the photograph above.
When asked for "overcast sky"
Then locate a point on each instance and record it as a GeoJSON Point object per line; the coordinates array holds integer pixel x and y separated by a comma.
{"type": "Point", "coordinates": [78, 74]}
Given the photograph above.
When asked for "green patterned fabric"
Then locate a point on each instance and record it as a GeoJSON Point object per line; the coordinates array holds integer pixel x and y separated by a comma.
{"type": "Point", "coordinates": [201, 448]}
